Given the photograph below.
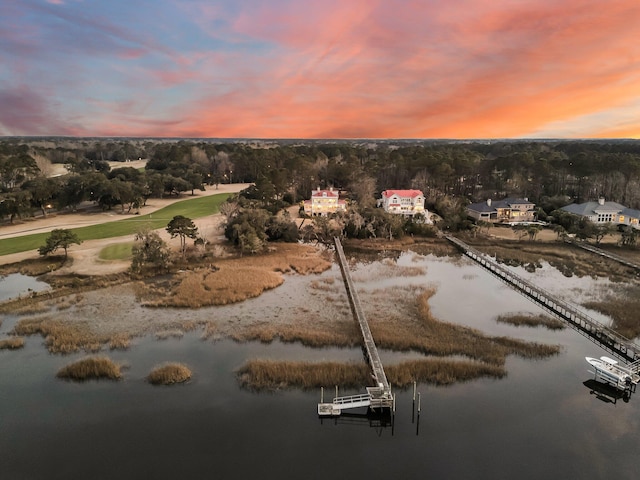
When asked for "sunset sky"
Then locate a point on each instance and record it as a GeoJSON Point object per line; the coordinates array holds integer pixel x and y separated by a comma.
{"type": "Point", "coordinates": [321, 69]}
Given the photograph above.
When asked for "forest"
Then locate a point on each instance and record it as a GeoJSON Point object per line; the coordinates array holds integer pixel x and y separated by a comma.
{"type": "Point", "coordinates": [551, 173]}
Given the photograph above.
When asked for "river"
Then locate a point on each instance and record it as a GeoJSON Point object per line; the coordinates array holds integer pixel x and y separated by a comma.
{"type": "Point", "coordinates": [540, 421]}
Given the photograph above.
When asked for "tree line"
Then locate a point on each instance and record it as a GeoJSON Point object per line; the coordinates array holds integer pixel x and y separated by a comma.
{"type": "Point", "coordinates": [450, 173]}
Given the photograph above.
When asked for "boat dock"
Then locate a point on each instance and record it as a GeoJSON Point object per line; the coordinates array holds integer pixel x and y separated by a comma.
{"type": "Point", "coordinates": [614, 343]}
{"type": "Point", "coordinates": [378, 396]}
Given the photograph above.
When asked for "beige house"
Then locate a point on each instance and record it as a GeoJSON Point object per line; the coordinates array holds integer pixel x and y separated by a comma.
{"type": "Point", "coordinates": [507, 210]}
{"type": "Point", "coordinates": [324, 202]}
{"type": "Point", "coordinates": [403, 202]}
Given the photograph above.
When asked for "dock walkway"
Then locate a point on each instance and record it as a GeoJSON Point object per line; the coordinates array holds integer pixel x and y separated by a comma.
{"type": "Point", "coordinates": [603, 253]}
{"type": "Point", "coordinates": [616, 344]}
{"type": "Point", "coordinates": [378, 396]}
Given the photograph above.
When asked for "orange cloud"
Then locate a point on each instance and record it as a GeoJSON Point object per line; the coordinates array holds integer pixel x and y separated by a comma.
{"type": "Point", "coordinates": [373, 68]}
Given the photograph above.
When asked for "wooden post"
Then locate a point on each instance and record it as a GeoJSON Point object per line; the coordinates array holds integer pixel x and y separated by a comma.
{"type": "Point", "coordinates": [414, 391]}
{"type": "Point", "coordinates": [418, 403]}
{"type": "Point", "coordinates": [336, 391]}
{"type": "Point", "coordinates": [321, 394]}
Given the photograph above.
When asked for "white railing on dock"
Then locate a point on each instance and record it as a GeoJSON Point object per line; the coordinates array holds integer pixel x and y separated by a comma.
{"type": "Point", "coordinates": [370, 346]}
{"type": "Point", "coordinates": [616, 344]}
{"type": "Point", "coordinates": [352, 401]}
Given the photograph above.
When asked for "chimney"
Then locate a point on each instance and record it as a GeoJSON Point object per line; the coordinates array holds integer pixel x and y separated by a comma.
{"type": "Point", "coordinates": [601, 200]}
{"type": "Point", "coordinates": [488, 202]}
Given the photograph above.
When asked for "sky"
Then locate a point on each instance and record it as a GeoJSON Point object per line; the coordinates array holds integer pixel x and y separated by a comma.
{"type": "Point", "coordinates": [458, 69]}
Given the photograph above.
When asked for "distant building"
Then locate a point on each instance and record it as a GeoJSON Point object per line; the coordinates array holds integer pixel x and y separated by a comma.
{"type": "Point", "coordinates": [603, 211]}
{"type": "Point", "coordinates": [404, 202]}
{"type": "Point", "coordinates": [507, 210]}
{"type": "Point", "coordinates": [324, 202]}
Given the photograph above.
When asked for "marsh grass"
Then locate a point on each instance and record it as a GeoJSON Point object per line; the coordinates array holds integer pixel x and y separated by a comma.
{"type": "Point", "coordinates": [623, 308]}
{"type": "Point", "coordinates": [531, 321]}
{"type": "Point", "coordinates": [64, 291]}
{"type": "Point", "coordinates": [567, 259]}
{"type": "Point", "coordinates": [342, 335]}
{"type": "Point", "coordinates": [325, 285]}
{"type": "Point", "coordinates": [274, 375]}
{"type": "Point", "coordinates": [169, 374]}
{"type": "Point", "coordinates": [33, 267]}
{"type": "Point", "coordinates": [119, 342]}
{"type": "Point", "coordinates": [91, 368]}
{"type": "Point", "coordinates": [427, 335]}
{"type": "Point", "coordinates": [60, 336]}
{"type": "Point", "coordinates": [210, 330]}
{"type": "Point", "coordinates": [234, 280]}
{"type": "Point", "coordinates": [32, 309]}
{"type": "Point", "coordinates": [13, 343]}
{"type": "Point", "coordinates": [440, 372]}
{"type": "Point", "coordinates": [64, 303]}
{"type": "Point", "coordinates": [166, 334]}
{"type": "Point", "coordinates": [433, 337]}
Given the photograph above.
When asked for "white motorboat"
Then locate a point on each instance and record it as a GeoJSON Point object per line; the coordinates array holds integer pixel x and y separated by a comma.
{"type": "Point", "coordinates": [610, 371]}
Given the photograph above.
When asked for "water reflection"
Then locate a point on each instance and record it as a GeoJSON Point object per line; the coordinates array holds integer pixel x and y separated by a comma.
{"type": "Point", "coordinates": [538, 422]}
{"type": "Point", "coordinates": [607, 393]}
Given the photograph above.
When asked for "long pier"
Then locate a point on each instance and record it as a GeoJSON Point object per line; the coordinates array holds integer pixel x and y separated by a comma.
{"type": "Point", "coordinates": [603, 253]}
{"type": "Point", "coordinates": [616, 344]}
{"type": "Point", "coordinates": [378, 396]}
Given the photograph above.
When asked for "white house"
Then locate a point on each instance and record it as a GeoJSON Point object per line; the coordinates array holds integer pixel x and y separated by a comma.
{"type": "Point", "coordinates": [404, 202]}
{"type": "Point", "coordinates": [324, 202]}
{"type": "Point", "coordinates": [603, 211]}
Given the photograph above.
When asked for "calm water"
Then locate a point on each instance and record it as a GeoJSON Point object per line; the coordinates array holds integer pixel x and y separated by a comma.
{"type": "Point", "coordinates": [16, 284]}
{"type": "Point", "coordinates": [538, 422]}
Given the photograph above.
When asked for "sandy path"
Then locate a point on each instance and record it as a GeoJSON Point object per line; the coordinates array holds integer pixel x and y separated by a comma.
{"type": "Point", "coordinates": [85, 256]}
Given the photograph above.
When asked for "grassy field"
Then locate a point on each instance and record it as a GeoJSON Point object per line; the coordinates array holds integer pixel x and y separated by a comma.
{"type": "Point", "coordinates": [193, 208]}
{"type": "Point", "coordinates": [116, 251]}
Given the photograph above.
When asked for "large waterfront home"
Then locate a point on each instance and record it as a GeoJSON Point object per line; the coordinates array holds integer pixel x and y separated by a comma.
{"type": "Point", "coordinates": [507, 210]}
{"type": "Point", "coordinates": [604, 211]}
{"type": "Point", "coordinates": [324, 202]}
{"type": "Point", "coordinates": [403, 202]}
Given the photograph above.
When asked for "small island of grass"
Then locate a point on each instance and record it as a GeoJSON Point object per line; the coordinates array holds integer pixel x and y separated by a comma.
{"type": "Point", "coordinates": [91, 368]}
{"type": "Point", "coordinates": [169, 374]}
{"type": "Point", "coordinates": [12, 343]}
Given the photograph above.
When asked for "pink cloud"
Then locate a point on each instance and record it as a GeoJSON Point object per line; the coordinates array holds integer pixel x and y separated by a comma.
{"type": "Point", "coordinates": [373, 68]}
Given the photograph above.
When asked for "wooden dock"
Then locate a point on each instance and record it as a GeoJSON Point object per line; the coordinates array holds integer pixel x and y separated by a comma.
{"type": "Point", "coordinates": [614, 343]}
{"type": "Point", "coordinates": [603, 253]}
{"type": "Point", "coordinates": [378, 396]}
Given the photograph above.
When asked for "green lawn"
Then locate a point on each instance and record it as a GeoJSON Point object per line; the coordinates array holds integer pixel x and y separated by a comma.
{"type": "Point", "coordinates": [193, 208]}
{"type": "Point", "coordinates": [116, 251]}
